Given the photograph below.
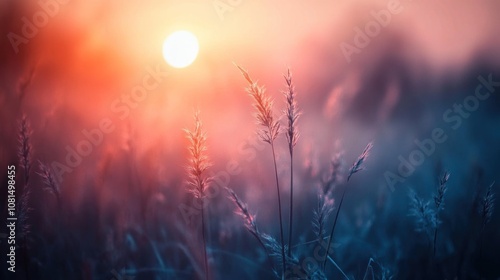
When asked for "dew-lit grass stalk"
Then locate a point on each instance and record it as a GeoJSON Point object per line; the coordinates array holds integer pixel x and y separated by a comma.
{"type": "Point", "coordinates": [197, 181]}
{"type": "Point", "coordinates": [292, 134]}
{"type": "Point", "coordinates": [486, 211]}
{"type": "Point", "coordinates": [438, 201]}
{"type": "Point", "coordinates": [269, 132]}
{"type": "Point", "coordinates": [356, 167]}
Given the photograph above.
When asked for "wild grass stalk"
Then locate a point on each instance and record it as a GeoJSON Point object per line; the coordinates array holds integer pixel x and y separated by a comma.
{"type": "Point", "coordinates": [25, 158]}
{"type": "Point", "coordinates": [25, 149]}
{"type": "Point", "coordinates": [375, 270]}
{"type": "Point", "coordinates": [325, 204]}
{"type": "Point", "coordinates": [268, 133]}
{"type": "Point", "coordinates": [423, 214]}
{"type": "Point", "coordinates": [321, 215]}
{"type": "Point", "coordinates": [356, 167]}
{"type": "Point", "coordinates": [50, 182]}
{"type": "Point", "coordinates": [334, 175]}
{"type": "Point", "coordinates": [438, 201]}
{"type": "Point", "coordinates": [358, 164]}
{"type": "Point", "coordinates": [292, 134]}
{"type": "Point", "coordinates": [249, 219]}
{"type": "Point", "coordinates": [486, 211]}
{"type": "Point", "coordinates": [197, 181]}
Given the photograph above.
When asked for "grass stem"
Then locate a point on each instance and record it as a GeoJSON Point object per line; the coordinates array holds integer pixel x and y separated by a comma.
{"type": "Point", "coordinates": [279, 209]}
{"type": "Point", "coordinates": [334, 224]}
{"type": "Point", "coordinates": [290, 227]}
{"type": "Point", "coordinates": [205, 259]}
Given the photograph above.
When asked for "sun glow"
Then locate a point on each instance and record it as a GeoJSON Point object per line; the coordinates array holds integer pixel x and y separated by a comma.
{"type": "Point", "coordinates": [180, 49]}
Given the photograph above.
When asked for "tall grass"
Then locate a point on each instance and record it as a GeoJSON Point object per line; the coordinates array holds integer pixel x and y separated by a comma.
{"type": "Point", "coordinates": [321, 215]}
{"type": "Point", "coordinates": [268, 133]}
{"type": "Point", "coordinates": [25, 159]}
{"type": "Point", "coordinates": [439, 202]}
{"type": "Point", "coordinates": [197, 180]}
{"type": "Point", "coordinates": [250, 223]}
{"type": "Point", "coordinates": [423, 214]}
{"type": "Point", "coordinates": [486, 211]}
{"type": "Point", "coordinates": [355, 168]}
{"type": "Point", "coordinates": [51, 185]}
{"type": "Point", "coordinates": [487, 206]}
{"type": "Point", "coordinates": [292, 114]}
{"type": "Point", "coordinates": [118, 240]}
{"type": "Point", "coordinates": [270, 129]}
{"type": "Point", "coordinates": [25, 149]}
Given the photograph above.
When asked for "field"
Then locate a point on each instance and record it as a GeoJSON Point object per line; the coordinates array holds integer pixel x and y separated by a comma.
{"type": "Point", "coordinates": [329, 140]}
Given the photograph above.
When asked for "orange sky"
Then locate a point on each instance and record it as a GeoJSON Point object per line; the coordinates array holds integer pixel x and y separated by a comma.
{"type": "Point", "coordinates": [91, 53]}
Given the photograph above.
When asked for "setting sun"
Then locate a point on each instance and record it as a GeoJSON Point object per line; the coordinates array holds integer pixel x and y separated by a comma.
{"type": "Point", "coordinates": [180, 49]}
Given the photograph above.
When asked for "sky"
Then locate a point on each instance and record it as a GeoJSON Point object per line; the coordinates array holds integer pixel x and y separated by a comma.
{"type": "Point", "coordinates": [85, 57]}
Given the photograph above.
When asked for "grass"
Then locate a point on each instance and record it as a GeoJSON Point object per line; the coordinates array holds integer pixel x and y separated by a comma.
{"type": "Point", "coordinates": [370, 240]}
{"type": "Point", "coordinates": [486, 211]}
{"type": "Point", "coordinates": [270, 129]}
{"type": "Point", "coordinates": [51, 184]}
{"type": "Point", "coordinates": [23, 207]}
{"type": "Point", "coordinates": [197, 181]}
{"type": "Point", "coordinates": [425, 217]}
{"type": "Point", "coordinates": [438, 201]}
{"type": "Point", "coordinates": [356, 167]}
{"type": "Point", "coordinates": [292, 114]}
{"type": "Point", "coordinates": [269, 132]}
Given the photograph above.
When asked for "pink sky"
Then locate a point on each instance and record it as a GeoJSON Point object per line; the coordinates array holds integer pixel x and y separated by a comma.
{"type": "Point", "coordinates": [91, 53]}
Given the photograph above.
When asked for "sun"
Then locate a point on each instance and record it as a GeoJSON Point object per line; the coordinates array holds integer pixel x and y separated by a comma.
{"type": "Point", "coordinates": [180, 49]}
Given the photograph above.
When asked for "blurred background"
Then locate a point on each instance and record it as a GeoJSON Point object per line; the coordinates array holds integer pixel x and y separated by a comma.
{"type": "Point", "coordinates": [121, 205]}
